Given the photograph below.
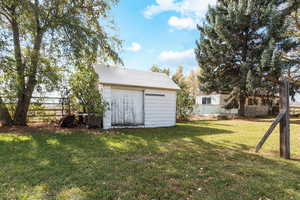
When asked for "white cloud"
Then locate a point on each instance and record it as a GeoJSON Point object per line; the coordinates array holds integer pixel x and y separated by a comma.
{"type": "Point", "coordinates": [195, 8]}
{"type": "Point", "coordinates": [182, 23]}
{"type": "Point", "coordinates": [135, 47]}
{"type": "Point", "coordinates": [161, 6]}
{"type": "Point", "coordinates": [176, 58]}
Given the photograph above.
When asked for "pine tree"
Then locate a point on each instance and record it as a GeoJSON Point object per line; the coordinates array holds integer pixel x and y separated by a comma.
{"type": "Point", "coordinates": [293, 57]}
{"type": "Point", "coordinates": [240, 43]}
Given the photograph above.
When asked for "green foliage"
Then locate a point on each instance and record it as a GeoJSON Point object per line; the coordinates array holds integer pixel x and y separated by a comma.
{"type": "Point", "coordinates": [241, 43]}
{"type": "Point", "coordinates": [185, 99]}
{"type": "Point", "coordinates": [293, 57]}
{"type": "Point", "coordinates": [85, 88]}
{"type": "Point", "coordinates": [184, 105]}
{"type": "Point", "coordinates": [41, 40]}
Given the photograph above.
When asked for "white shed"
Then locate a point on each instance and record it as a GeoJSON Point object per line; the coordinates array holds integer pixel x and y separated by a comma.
{"type": "Point", "coordinates": [137, 98]}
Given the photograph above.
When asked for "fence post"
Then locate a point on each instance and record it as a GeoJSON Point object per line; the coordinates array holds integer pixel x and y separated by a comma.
{"type": "Point", "coordinates": [285, 121]}
{"type": "Point", "coordinates": [69, 106]}
{"type": "Point", "coordinates": [62, 106]}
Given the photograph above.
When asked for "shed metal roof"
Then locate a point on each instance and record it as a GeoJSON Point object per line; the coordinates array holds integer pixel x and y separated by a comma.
{"type": "Point", "coordinates": [114, 75]}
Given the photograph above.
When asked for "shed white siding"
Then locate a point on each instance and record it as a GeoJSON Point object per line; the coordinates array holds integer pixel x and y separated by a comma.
{"type": "Point", "coordinates": [127, 107]}
{"type": "Point", "coordinates": [106, 92]}
{"type": "Point", "coordinates": [160, 108]}
{"type": "Point", "coordinates": [137, 98]}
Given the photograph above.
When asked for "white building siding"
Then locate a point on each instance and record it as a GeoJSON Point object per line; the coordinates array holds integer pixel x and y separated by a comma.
{"type": "Point", "coordinates": [127, 107]}
{"type": "Point", "coordinates": [215, 99]}
{"type": "Point", "coordinates": [160, 108]}
{"type": "Point", "coordinates": [106, 92]}
{"type": "Point", "coordinates": [202, 109]}
{"type": "Point", "coordinates": [217, 107]}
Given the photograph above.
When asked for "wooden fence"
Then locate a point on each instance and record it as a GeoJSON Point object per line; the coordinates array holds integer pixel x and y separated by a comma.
{"type": "Point", "coordinates": [44, 109]}
{"type": "Point", "coordinates": [283, 119]}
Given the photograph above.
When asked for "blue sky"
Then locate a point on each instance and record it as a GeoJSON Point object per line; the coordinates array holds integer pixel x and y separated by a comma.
{"type": "Point", "coordinates": [159, 32]}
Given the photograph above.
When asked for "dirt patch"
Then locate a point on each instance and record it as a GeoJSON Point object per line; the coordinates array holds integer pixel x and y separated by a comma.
{"type": "Point", "coordinates": [46, 128]}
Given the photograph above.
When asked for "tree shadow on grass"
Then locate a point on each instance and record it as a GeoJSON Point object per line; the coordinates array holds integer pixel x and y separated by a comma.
{"type": "Point", "coordinates": [271, 120]}
{"type": "Point", "coordinates": [165, 163]}
{"type": "Point", "coordinates": [177, 132]}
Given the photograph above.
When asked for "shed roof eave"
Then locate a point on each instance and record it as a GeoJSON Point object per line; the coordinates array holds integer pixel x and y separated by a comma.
{"type": "Point", "coordinates": [139, 86]}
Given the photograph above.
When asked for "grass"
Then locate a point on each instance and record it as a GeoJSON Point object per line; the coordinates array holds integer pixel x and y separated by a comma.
{"type": "Point", "coordinates": [197, 160]}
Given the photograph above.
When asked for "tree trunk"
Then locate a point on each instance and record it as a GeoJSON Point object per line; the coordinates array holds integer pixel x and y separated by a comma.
{"type": "Point", "coordinates": [19, 118]}
{"type": "Point", "coordinates": [24, 100]}
{"type": "Point", "coordinates": [242, 103]}
{"type": "Point", "coordinates": [4, 114]}
{"type": "Point", "coordinates": [25, 94]}
{"type": "Point", "coordinates": [22, 108]}
{"type": "Point", "coordinates": [20, 79]}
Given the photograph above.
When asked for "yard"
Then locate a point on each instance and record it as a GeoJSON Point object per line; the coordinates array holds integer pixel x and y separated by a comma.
{"type": "Point", "coordinates": [195, 160]}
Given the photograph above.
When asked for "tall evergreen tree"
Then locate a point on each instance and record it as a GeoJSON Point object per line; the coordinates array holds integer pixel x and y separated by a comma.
{"type": "Point", "coordinates": [240, 43]}
{"type": "Point", "coordinates": [293, 57]}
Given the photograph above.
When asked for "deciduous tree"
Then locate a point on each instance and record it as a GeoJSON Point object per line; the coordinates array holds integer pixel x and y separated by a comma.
{"type": "Point", "coordinates": [58, 32]}
{"type": "Point", "coordinates": [156, 68]}
{"type": "Point", "coordinates": [185, 99]}
{"type": "Point", "coordinates": [193, 82]}
{"type": "Point", "coordinates": [85, 88]}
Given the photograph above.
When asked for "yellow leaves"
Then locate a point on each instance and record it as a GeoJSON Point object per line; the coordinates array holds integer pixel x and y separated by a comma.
{"type": "Point", "coordinates": [10, 138]}
{"type": "Point", "coordinates": [53, 141]}
{"type": "Point", "coordinates": [74, 193]}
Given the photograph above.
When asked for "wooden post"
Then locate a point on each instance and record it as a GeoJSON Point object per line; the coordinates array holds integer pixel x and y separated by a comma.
{"type": "Point", "coordinates": [69, 105]}
{"type": "Point", "coordinates": [62, 106]}
{"type": "Point", "coordinates": [270, 130]}
{"type": "Point", "coordinates": [285, 121]}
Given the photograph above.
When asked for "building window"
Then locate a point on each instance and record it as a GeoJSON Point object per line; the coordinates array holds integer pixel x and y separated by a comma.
{"type": "Point", "coordinates": [206, 100]}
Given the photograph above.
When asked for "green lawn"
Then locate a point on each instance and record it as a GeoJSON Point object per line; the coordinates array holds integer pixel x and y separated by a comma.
{"type": "Point", "coordinates": [198, 160]}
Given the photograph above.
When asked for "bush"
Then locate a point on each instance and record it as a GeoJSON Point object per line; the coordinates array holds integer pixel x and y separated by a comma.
{"type": "Point", "coordinates": [85, 88]}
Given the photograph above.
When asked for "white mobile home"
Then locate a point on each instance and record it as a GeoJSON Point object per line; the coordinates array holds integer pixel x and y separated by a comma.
{"type": "Point", "coordinates": [137, 98]}
{"type": "Point", "coordinates": [213, 105]}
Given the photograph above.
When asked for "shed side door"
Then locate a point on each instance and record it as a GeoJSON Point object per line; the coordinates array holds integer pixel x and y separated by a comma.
{"type": "Point", "coordinates": [127, 107]}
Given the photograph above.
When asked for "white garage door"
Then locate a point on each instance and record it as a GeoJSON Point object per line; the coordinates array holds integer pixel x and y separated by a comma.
{"type": "Point", "coordinates": [127, 107]}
